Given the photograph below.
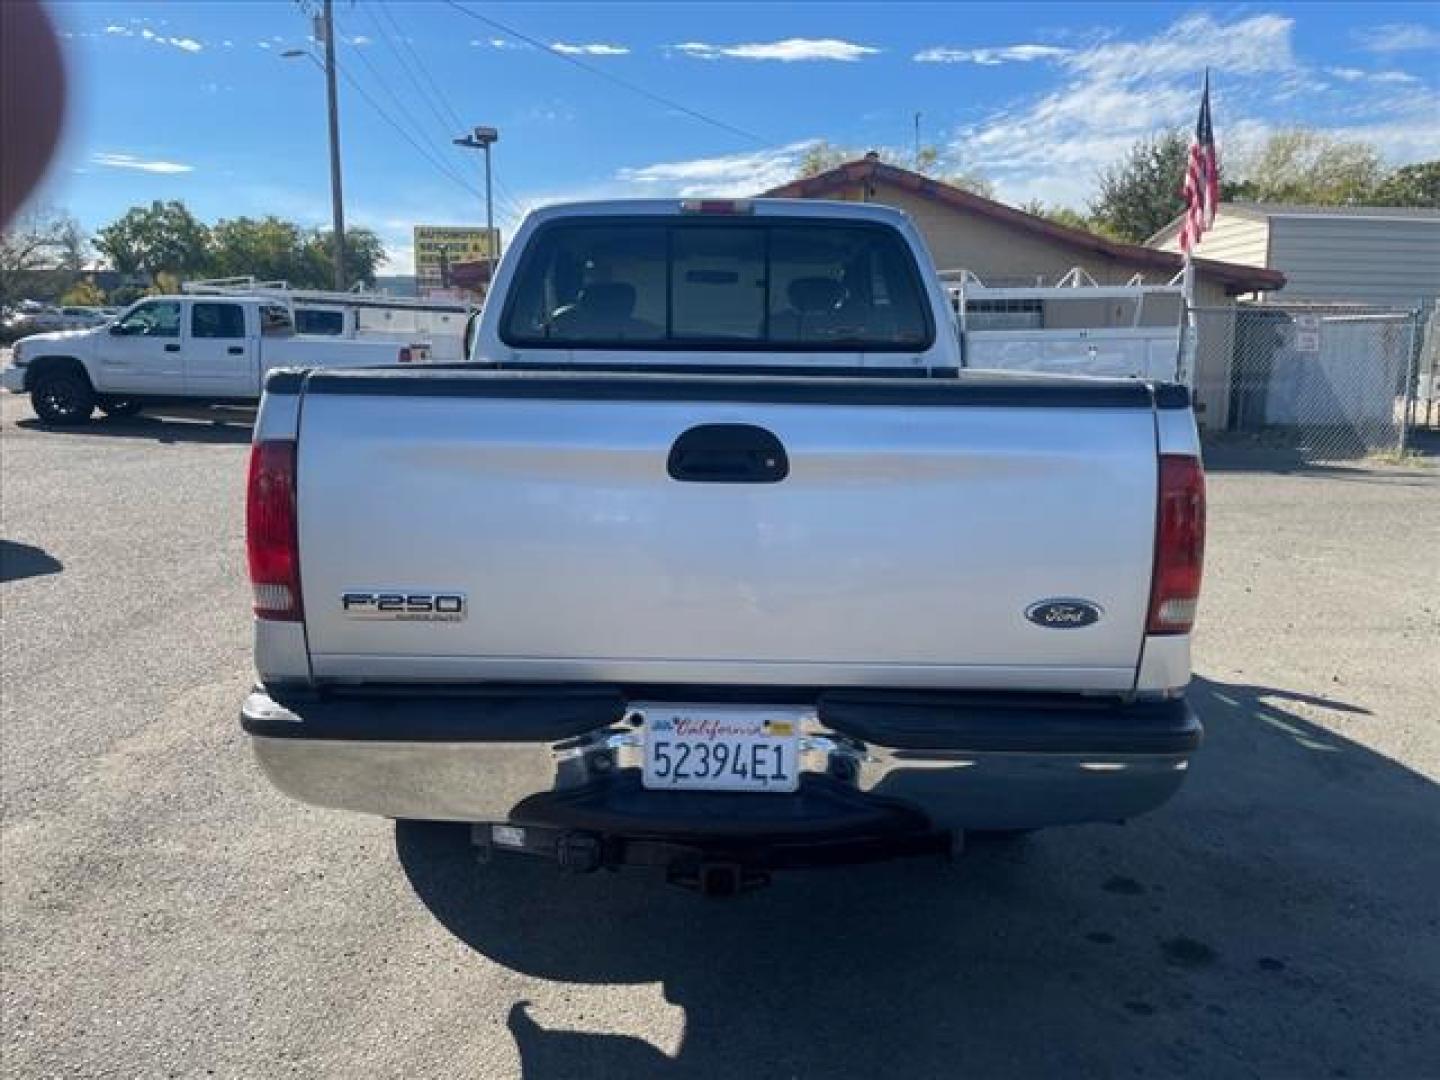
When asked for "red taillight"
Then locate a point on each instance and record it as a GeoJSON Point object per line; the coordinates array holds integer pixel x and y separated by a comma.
{"type": "Point", "coordinates": [1179, 545]}
{"type": "Point", "coordinates": [270, 534]}
{"type": "Point", "coordinates": [404, 354]}
{"type": "Point", "coordinates": [716, 206]}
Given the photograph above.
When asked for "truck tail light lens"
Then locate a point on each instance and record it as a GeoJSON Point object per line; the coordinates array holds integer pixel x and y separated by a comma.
{"type": "Point", "coordinates": [716, 206]}
{"type": "Point", "coordinates": [1179, 545]}
{"type": "Point", "coordinates": [271, 539]}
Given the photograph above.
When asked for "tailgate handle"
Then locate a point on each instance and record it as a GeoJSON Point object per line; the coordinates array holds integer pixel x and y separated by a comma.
{"type": "Point", "coordinates": [728, 454]}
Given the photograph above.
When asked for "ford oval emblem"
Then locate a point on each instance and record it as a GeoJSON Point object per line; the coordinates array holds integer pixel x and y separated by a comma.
{"type": "Point", "coordinates": [1063, 614]}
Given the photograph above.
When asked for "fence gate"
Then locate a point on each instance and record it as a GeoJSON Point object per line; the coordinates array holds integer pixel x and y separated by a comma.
{"type": "Point", "coordinates": [1328, 383]}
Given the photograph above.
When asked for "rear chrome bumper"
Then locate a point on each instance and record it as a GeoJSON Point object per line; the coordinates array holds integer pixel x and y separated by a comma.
{"type": "Point", "coordinates": [967, 763]}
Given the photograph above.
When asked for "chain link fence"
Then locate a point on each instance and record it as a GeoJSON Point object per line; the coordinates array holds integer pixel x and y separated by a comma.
{"type": "Point", "coordinates": [1424, 409]}
{"type": "Point", "coordinates": [1327, 383]}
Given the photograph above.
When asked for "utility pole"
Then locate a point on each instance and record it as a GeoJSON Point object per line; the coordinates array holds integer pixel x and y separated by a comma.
{"type": "Point", "coordinates": [917, 140]}
{"type": "Point", "coordinates": [337, 199]}
{"type": "Point", "coordinates": [482, 138]}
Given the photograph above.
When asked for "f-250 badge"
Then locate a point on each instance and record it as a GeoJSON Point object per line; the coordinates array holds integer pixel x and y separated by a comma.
{"type": "Point", "coordinates": [404, 606]}
{"type": "Point", "coordinates": [1063, 614]}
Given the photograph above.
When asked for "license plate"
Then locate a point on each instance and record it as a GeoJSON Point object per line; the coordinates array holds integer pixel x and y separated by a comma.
{"type": "Point", "coordinates": [721, 748]}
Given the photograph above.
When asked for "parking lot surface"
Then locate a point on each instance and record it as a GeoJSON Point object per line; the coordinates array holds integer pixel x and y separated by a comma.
{"type": "Point", "coordinates": [165, 913]}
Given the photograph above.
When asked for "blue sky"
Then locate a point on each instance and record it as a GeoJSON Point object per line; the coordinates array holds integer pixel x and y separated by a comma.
{"type": "Point", "coordinates": [193, 101]}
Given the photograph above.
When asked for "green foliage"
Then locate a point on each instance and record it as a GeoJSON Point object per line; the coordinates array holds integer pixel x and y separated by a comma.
{"type": "Point", "coordinates": [1141, 194]}
{"type": "Point", "coordinates": [166, 240]}
{"type": "Point", "coordinates": [1410, 185]}
{"type": "Point", "coordinates": [84, 293]}
{"type": "Point", "coordinates": [1064, 215]}
{"type": "Point", "coordinates": [823, 156]}
{"type": "Point", "coordinates": [161, 238]}
{"type": "Point", "coordinates": [164, 284]}
{"type": "Point", "coordinates": [364, 252]}
{"type": "Point", "coordinates": [267, 248]}
{"type": "Point", "coordinates": [1299, 165]}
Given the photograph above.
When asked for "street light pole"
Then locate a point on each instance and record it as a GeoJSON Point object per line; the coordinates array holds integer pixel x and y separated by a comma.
{"type": "Point", "coordinates": [482, 138]}
{"type": "Point", "coordinates": [337, 199]}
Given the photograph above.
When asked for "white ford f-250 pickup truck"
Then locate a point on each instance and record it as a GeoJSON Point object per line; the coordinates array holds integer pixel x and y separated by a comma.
{"type": "Point", "coordinates": [715, 559]}
{"type": "Point", "coordinates": [196, 350]}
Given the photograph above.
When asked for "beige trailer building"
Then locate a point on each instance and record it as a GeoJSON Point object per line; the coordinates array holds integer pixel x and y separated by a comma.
{"type": "Point", "coordinates": [1004, 246]}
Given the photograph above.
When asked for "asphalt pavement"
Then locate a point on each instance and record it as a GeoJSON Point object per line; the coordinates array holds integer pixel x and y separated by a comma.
{"type": "Point", "coordinates": [166, 913]}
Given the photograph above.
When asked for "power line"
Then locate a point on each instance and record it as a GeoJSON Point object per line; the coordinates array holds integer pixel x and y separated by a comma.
{"type": "Point", "coordinates": [400, 129]}
{"type": "Point", "coordinates": [449, 172]}
{"type": "Point", "coordinates": [610, 77]}
{"type": "Point", "coordinates": [405, 66]}
{"type": "Point", "coordinates": [419, 65]}
{"type": "Point", "coordinates": [429, 98]}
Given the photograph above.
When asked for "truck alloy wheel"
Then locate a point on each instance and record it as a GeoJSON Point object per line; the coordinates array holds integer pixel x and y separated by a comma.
{"type": "Point", "coordinates": [62, 398]}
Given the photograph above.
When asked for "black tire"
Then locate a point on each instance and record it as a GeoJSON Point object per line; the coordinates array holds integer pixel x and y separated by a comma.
{"type": "Point", "coordinates": [120, 406]}
{"type": "Point", "coordinates": [62, 397]}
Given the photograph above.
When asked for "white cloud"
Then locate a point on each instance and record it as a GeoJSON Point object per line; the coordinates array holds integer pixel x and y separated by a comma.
{"type": "Point", "coordinates": [786, 51]}
{"type": "Point", "coordinates": [1252, 46]}
{"type": "Point", "coordinates": [130, 161]}
{"type": "Point", "coordinates": [593, 49]}
{"type": "Point", "coordinates": [991, 57]}
{"type": "Point", "coordinates": [1393, 78]}
{"type": "Point", "coordinates": [1118, 91]}
{"type": "Point", "coordinates": [1399, 37]}
{"type": "Point", "coordinates": [500, 43]}
{"type": "Point", "coordinates": [184, 44]}
{"type": "Point", "coordinates": [361, 39]}
{"type": "Point", "coordinates": [263, 44]}
{"type": "Point", "coordinates": [123, 31]}
{"type": "Point", "coordinates": [227, 43]}
{"type": "Point", "coordinates": [732, 174]}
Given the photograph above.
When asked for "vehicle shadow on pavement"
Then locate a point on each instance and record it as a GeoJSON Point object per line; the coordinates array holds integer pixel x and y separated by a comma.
{"type": "Point", "coordinates": [195, 427]}
{"type": "Point", "coordinates": [1226, 453]}
{"type": "Point", "coordinates": [1220, 935]}
{"type": "Point", "coordinates": [25, 561]}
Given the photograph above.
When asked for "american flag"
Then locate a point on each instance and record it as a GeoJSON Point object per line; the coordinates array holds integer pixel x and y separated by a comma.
{"type": "Point", "coordinates": [1202, 177]}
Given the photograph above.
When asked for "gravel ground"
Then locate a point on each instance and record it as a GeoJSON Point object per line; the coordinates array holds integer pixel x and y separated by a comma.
{"type": "Point", "coordinates": [165, 913]}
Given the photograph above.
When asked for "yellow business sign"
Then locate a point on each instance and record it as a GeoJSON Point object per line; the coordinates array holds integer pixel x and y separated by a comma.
{"type": "Point", "coordinates": [449, 244]}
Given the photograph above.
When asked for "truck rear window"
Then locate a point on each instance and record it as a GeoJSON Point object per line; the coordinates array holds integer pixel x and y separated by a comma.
{"type": "Point", "coordinates": [777, 284]}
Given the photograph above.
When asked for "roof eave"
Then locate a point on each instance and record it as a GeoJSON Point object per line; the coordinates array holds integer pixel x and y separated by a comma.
{"type": "Point", "coordinates": [1237, 278]}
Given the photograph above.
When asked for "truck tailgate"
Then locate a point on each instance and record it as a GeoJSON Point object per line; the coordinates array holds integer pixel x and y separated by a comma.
{"type": "Point", "coordinates": [918, 522]}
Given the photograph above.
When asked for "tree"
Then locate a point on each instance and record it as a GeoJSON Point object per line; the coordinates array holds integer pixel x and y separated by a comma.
{"type": "Point", "coordinates": [1299, 165]}
{"type": "Point", "coordinates": [1064, 215]}
{"type": "Point", "coordinates": [84, 293]}
{"type": "Point", "coordinates": [39, 254]}
{"type": "Point", "coordinates": [267, 248]}
{"type": "Point", "coordinates": [364, 252]}
{"type": "Point", "coordinates": [161, 238]}
{"type": "Point", "coordinates": [1410, 185]}
{"type": "Point", "coordinates": [823, 156]}
{"type": "Point", "coordinates": [1141, 194]}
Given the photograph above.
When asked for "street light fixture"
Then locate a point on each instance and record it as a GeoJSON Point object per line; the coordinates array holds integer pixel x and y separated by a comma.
{"type": "Point", "coordinates": [482, 138]}
{"type": "Point", "coordinates": [325, 32]}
